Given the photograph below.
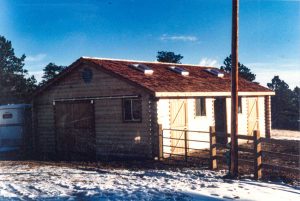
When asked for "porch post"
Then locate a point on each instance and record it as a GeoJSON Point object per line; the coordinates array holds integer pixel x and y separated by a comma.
{"type": "Point", "coordinates": [212, 148]}
{"type": "Point", "coordinates": [268, 116]}
{"type": "Point", "coordinates": [160, 143]}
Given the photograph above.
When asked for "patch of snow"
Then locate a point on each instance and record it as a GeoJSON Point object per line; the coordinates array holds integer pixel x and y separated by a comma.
{"type": "Point", "coordinates": [285, 134]}
{"type": "Point", "coordinates": [50, 182]}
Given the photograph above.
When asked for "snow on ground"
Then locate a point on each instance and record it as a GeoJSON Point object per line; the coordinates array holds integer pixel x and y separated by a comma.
{"type": "Point", "coordinates": [285, 134]}
{"type": "Point", "coordinates": [50, 182]}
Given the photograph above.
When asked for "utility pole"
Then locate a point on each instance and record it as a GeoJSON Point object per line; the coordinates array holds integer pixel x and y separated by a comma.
{"type": "Point", "coordinates": [234, 90]}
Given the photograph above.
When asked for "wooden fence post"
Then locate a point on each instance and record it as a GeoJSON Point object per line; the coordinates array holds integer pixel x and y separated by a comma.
{"type": "Point", "coordinates": [257, 155]}
{"type": "Point", "coordinates": [268, 116]}
{"type": "Point", "coordinates": [160, 142]}
{"type": "Point", "coordinates": [213, 148]}
{"type": "Point", "coordinates": [185, 146]}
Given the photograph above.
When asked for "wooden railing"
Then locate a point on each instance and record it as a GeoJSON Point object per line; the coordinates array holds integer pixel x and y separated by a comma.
{"type": "Point", "coordinates": [260, 151]}
{"type": "Point", "coordinates": [185, 146]}
{"type": "Point", "coordinates": [257, 149]}
{"type": "Point", "coordinates": [281, 154]}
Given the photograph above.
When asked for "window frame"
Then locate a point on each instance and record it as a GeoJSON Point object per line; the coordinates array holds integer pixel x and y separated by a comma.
{"type": "Point", "coordinates": [132, 120]}
{"type": "Point", "coordinates": [201, 102]}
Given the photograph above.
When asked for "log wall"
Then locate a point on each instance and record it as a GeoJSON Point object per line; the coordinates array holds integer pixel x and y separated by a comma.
{"type": "Point", "coordinates": [113, 136]}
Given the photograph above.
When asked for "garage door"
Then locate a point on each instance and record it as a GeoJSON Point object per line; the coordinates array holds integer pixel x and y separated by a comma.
{"type": "Point", "coordinates": [75, 134]}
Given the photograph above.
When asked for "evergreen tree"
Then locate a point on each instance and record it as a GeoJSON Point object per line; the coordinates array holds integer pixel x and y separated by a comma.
{"type": "Point", "coordinates": [50, 71]}
{"type": "Point", "coordinates": [244, 71]}
{"type": "Point", "coordinates": [285, 105]}
{"type": "Point", "coordinates": [168, 57]}
{"type": "Point", "coordinates": [15, 85]}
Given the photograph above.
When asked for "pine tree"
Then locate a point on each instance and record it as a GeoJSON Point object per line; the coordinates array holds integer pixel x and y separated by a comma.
{"type": "Point", "coordinates": [168, 57]}
{"type": "Point", "coordinates": [285, 105]}
{"type": "Point", "coordinates": [15, 85]}
{"type": "Point", "coordinates": [244, 71]}
{"type": "Point", "coordinates": [50, 71]}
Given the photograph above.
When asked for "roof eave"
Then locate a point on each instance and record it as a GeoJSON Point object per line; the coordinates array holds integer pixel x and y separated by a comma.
{"type": "Point", "coordinates": [210, 94]}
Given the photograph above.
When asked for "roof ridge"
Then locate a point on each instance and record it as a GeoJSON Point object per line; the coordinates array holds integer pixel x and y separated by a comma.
{"type": "Point", "coordinates": [152, 62]}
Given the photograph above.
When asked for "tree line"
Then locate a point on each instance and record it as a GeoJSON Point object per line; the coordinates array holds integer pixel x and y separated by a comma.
{"type": "Point", "coordinates": [16, 86]}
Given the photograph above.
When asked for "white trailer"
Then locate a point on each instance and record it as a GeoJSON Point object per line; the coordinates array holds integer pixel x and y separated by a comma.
{"type": "Point", "coordinates": [15, 122]}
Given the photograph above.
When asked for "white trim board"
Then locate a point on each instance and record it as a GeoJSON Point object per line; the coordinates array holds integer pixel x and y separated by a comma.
{"type": "Point", "coordinates": [210, 94]}
{"type": "Point", "coordinates": [151, 62]}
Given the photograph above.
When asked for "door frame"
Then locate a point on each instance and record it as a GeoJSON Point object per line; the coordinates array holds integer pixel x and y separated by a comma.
{"type": "Point", "coordinates": [224, 108]}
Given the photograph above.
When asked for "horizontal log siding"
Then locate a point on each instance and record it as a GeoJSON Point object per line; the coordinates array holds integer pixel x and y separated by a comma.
{"type": "Point", "coordinates": [73, 86]}
{"type": "Point", "coordinates": [45, 129]}
{"type": "Point", "coordinates": [113, 136]}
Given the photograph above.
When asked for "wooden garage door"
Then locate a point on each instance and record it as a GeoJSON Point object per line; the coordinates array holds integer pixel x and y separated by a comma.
{"type": "Point", "coordinates": [75, 135]}
{"type": "Point", "coordinates": [178, 121]}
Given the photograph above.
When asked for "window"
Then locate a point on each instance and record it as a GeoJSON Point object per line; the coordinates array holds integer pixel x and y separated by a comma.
{"type": "Point", "coordinates": [7, 116]}
{"type": "Point", "coordinates": [87, 75]}
{"type": "Point", "coordinates": [132, 110]}
{"type": "Point", "coordinates": [200, 107]}
{"type": "Point", "coordinates": [240, 105]}
{"type": "Point", "coordinates": [143, 68]}
{"type": "Point", "coordinates": [216, 72]}
{"type": "Point", "coordinates": [179, 70]}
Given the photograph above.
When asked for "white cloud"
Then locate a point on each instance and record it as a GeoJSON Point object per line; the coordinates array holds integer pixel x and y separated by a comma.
{"type": "Point", "coordinates": [286, 70]}
{"type": "Point", "coordinates": [165, 37]}
{"type": "Point", "coordinates": [37, 74]}
{"type": "Point", "coordinates": [276, 64]}
{"type": "Point", "coordinates": [289, 76]}
{"type": "Point", "coordinates": [35, 58]}
{"type": "Point", "coordinates": [208, 62]}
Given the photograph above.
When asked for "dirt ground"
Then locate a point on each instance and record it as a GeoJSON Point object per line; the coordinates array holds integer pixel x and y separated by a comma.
{"type": "Point", "coordinates": [271, 159]}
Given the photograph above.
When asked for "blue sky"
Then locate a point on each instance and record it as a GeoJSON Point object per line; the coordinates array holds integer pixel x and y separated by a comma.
{"type": "Point", "coordinates": [200, 30]}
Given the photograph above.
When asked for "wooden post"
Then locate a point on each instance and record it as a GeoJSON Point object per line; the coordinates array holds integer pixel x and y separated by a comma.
{"type": "Point", "coordinates": [185, 146]}
{"type": "Point", "coordinates": [257, 155]}
{"type": "Point", "coordinates": [34, 135]}
{"type": "Point", "coordinates": [234, 91]}
{"type": "Point", "coordinates": [160, 143]}
{"type": "Point", "coordinates": [268, 116]}
{"type": "Point", "coordinates": [213, 148]}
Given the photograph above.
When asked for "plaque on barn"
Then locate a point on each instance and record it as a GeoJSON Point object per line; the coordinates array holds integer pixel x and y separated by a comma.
{"type": "Point", "coordinates": [87, 75]}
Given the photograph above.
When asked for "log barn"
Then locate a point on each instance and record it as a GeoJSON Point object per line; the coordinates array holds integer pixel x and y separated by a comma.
{"type": "Point", "coordinates": [106, 108]}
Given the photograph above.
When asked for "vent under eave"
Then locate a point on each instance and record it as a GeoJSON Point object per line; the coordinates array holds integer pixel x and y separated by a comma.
{"type": "Point", "coordinates": [215, 72]}
{"type": "Point", "coordinates": [143, 68]}
{"type": "Point", "coordinates": [179, 70]}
